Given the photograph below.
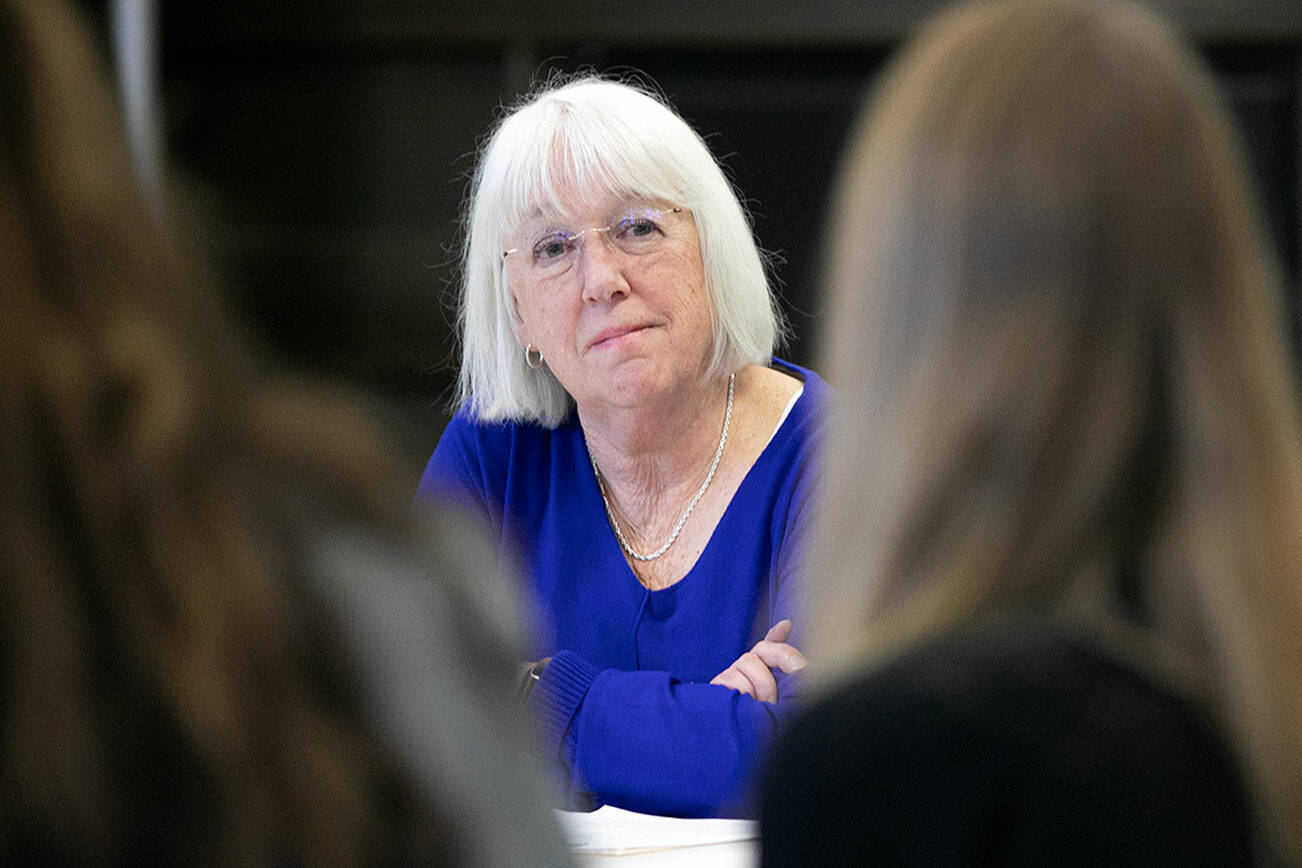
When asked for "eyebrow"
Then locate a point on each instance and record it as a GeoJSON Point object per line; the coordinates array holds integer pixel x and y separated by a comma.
{"type": "Point", "coordinates": [540, 212]}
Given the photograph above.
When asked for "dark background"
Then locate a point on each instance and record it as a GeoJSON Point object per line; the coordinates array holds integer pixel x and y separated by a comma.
{"type": "Point", "coordinates": [329, 143]}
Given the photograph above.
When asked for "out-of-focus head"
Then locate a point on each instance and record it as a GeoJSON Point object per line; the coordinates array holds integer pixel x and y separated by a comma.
{"type": "Point", "coordinates": [1037, 180]}
{"type": "Point", "coordinates": [1043, 240]}
{"type": "Point", "coordinates": [569, 146]}
{"type": "Point", "coordinates": [164, 665]}
{"type": "Point", "coordinates": [1064, 380]}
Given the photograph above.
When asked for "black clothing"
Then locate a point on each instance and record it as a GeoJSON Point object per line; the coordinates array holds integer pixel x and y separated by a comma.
{"type": "Point", "coordinates": [1025, 746]}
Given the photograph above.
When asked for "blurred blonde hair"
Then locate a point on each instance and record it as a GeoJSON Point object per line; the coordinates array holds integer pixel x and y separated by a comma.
{"type": "Point", "coordinates": [1064, 379]}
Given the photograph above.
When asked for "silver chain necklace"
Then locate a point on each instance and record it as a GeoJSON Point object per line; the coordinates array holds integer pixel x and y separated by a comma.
{"type": "Point", "coordinates": [682, 519]}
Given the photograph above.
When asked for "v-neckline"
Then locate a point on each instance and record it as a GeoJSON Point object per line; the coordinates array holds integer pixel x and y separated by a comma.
{"type": "Point", "coordinates": [610, 540]}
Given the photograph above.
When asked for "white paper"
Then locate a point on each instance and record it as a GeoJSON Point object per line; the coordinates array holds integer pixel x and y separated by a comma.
{"type": "Point", "coordinates": [613, 830]}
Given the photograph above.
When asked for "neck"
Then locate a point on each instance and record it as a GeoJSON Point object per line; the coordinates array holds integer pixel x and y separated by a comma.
{"type": "Point", "coordinates": [652, 462]}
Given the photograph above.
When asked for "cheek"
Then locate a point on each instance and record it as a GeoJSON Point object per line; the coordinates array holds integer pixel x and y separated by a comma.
{"type": "Point", "coordinates": [543, 319]}
{"type": "Point", "coordinates": [683, 271]}
{"type": "Point", "coordinates": [685, 261]}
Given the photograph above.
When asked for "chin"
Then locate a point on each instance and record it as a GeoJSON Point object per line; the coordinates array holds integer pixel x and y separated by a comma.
{"type": "Point", "coordinates": [637, 382]}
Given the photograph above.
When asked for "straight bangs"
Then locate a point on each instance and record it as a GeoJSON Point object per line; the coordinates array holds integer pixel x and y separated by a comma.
{"type": "Point", "coordinates": [562, 154]}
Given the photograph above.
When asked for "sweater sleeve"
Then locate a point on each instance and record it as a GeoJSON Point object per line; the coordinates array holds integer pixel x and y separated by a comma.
{"type": "Point", "coordinates": [648, 742]}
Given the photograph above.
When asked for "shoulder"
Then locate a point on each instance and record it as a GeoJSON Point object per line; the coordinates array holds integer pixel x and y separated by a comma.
{"type": "Point", "coordinates": [816, 391]}
{"type": "Point", "coordinates": [806, 419]}
{"type": "Point", "coordinates": [795, 448]}
{"type": "Point", "coordinates": [467, 432]}
{"type": "Point", "coordinates": [1033, 734]}
{"type": "Point", "coordinates": [495, 444]}
{"type": "Point", "coordinates": [1026, 686]}
{"type": "Point", "coordinates": [781, 484]}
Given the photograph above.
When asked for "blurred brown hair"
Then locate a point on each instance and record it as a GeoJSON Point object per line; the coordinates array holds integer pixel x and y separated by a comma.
{"type": "Point", "coordinates": [1065, 385]}
{"type": "Point", "coordinates": [171, 688]}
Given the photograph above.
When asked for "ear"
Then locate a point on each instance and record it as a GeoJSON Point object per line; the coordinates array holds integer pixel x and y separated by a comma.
{"type": "Point", "coordinates": [517, 323]}
{"type": "Point", "coordinates": [513, 300]}
{"type": "Point", "coordinates": [513, 313]}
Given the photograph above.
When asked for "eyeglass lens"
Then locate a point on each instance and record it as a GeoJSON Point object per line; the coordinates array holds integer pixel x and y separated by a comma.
{"type": "Point", "coordinates": [635, 231]}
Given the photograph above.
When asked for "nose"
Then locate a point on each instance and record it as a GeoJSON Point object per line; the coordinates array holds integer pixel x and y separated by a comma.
{"type": "Point", "coordinates": [601, 269]}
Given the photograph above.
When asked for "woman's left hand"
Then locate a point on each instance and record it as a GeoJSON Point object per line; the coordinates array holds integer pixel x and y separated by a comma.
{"type": "Point", "coordinates": [752, 672]}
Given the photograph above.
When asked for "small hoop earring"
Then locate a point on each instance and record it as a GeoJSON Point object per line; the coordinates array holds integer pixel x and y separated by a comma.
{"type": "Point", "coordinates": [528, 357]}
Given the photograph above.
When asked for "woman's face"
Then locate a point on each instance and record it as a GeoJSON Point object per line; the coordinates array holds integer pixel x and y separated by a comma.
{"type": "Point", "coordinates": [614, 297]}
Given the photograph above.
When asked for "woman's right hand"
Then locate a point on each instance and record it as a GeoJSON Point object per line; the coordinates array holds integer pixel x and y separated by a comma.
{"type": "Point", "coordinates": [752, 672]}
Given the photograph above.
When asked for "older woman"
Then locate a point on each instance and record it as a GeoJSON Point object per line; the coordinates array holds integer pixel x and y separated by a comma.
{"type": "Point", "coordinates": [1063, 563]}
{"type": "Point", "coordinates": [628, 434]}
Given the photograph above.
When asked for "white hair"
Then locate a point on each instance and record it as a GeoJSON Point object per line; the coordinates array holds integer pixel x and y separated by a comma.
{"type": "Point", "coordinates": [599, 137]}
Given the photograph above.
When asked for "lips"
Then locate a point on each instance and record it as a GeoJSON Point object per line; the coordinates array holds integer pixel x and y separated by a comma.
{"type": "Point", "coordinates": [615, 332]}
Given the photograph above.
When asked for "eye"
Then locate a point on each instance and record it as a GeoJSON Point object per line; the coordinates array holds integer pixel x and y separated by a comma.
{"type": "Point", "coordinates": [640, 226]}
{"type": "Point", "coordinates": [552, 248]}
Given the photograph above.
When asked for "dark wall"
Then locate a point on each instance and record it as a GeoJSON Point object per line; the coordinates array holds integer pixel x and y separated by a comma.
{"type": "Point", "coordinates": [331, 141]}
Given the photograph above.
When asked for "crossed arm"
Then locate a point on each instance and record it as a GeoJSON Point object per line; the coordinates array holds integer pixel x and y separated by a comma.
{"type": "Point", "coordinates": [645, 741]}
{"type": "Point", "coordinates": [750, 674]}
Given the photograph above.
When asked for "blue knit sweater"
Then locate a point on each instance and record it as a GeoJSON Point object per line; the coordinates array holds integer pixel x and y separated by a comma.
{"type": "Point", "coordinates": [626, 702]}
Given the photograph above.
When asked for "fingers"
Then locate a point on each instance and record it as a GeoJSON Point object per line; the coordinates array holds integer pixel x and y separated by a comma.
{"type": "Point", "coordinates": [765, 687]}
{"type": "Point", "coordinates": [752, 672]}
{"type": "Point", "coordinates": [733, 679]}
{"type": "Point", "coordinates": [779, 631]}
{"type": "Point", "coordinates": [750, 675]}
{"type": "Point", "coordinates": [774, 650]}
{"type": "Point", "coordinates": [780, 655]}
